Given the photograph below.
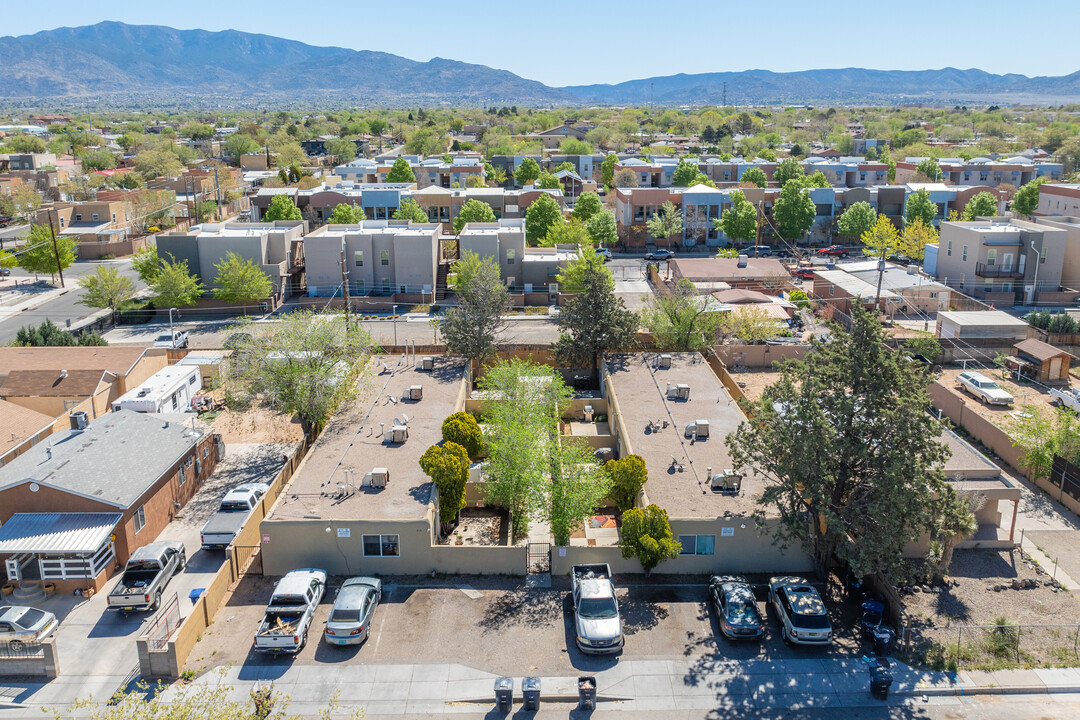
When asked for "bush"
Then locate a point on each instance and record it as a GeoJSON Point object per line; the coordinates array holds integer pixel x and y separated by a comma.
{"type": "Point", "coordinates": [462, 428]}
{"type": "Point", "coordinates": [628, 476]}
{"type": "Point", "coordinates": [646, 535]}
{"type": "Point", "coordinates": [448, 466]}
{"type": "Point", "coordinates": [1003, 640]}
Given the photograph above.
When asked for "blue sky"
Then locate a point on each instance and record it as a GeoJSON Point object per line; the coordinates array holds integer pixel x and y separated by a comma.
{"type": "Point", "coordinates": [582, 42]}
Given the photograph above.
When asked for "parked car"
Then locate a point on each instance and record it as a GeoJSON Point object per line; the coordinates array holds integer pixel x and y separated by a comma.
{"type": "Point", "coordinates": [660, 255]}
{"type": "Point", "coordinates": [604, 252]}
{"type": "Point", "coordinates": [736, 608]}
{"type": "Point", "coordinates": [284, 627]}
{"type": "Point", "coordinates": [174, 340]}
{"type": "Point", "coordinates": [148, 571]}
{"type": "Point", "coordinates": [20, 625]}
{"type": "Point", "coordinates": [834, 251]}
{"type": "Point", "coordinates": [353, 611]}
{"type": "Point", "coordinates": [5, 272]}
{"type": "Point", "coordinates": [978, 385]}
{"type": "Point", "coordinates": [232, 513]}
{"type": "Point", "coordinates": [597, 624]}
{"type": "Point", "coordinates": [805, 273]}
{"type": "Point", "coordinates": [758, 250]}
{"type": "Point", "coordinates": [802, 615]}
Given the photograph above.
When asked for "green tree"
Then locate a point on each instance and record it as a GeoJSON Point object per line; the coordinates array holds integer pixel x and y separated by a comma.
{"type": "Point", "coordinates": [239, 144]}
{"type": "Point", "coordinates": [175, 285]}
{"type": "Point", "coordinates": [788, 169]}
{"type": "Point", "coordinates": [401, 172]}
{"type": "Point", "coordinates": [448, 465]}
{"type": "Point", "coordinates": [984, 204]}
{"type": "Point", "coordinates": [683, 320]}
{"type": "Point", "coordinates": [409, 209]}
{"type": "Point", "coordinates": [756, 176]}
{"type": "Point", "coordinates": [106, 288]}
{"type": "Point", "coordinates": [586, 206]}
{"type": "Point", "coordinates": [541, 216]}
{"type": "Point", "coordinates": [1026, 200]}
{"type": "Point", "coordinates": [473, 328]}
{"type": "Point", "coordinates": [26, 144]}
{"type": "Point", "coordinates": [738, 222]}
{"type": "Point", "coordinates": [45, 335]}
{"type": "Point", "coordinates": [915, 237]}
{"type": "Point", "coordinates": [602, 228]}
{"type": "Point", "coordinates": [97, 160]}
{"type": "Point", "coordinates": [473, 211]}
{"type": "Point", "coordinates": [462, 428]}
{"type": "Point", "coordinates": [856, 220]}
{"type": "Point", "coordinates": [346, 214]}
{"type": "Point", "coordinates": [686, 173]}
{"type": "Point", "coordinates": [592, 322]}
{"type": "Point", "coordinates": [281, 208]}
{"type": "Point", "coordinates": [146, 263]}
{"type": "Point", "coordinates": [21, 203]}
{"type": "Point", "coordinates": [607, 169]}
{"type": "Point", "coordinates": [793, 211]}
{"type": "Point", "coordinates": [626, 178]}
{"type": "Point", "coordinates": [930, 168]}
{"type": "Point", "coordinates": [953, 520]}
{"type": "Point", "coordinates": [665, 222]}
{"type": "Point", "coordinates": [301, 365]}
{"type": "Point", "coordinates": [289, 154]}
{"type": "Point", "coordinates": [527, 172]}
{"type": "Point", "coordinates": [197, 131]}
{"type": "Point", "coordinates": [1042, 435]}
{"type": "Point", "coordinates": [882, 238]}
{"type": "Point", "coordinates": [800, 298]}
{"type": "Point", "coordinates": [547, 181]}
{"type": "Point", "coordinates": [567, 233]}
{"type": "Point", "coordinates": [848, 450]}
{"type": "Point", "coordinates": [919, 205]}
{"type": "Point", "coordinates": [241, 281]}
{"type": "Point", "coordinates": [571, 277]}
{"type": "Point", "coordinates": [646, 535]}
{"type": "Point", "coordinates": [39, 255]}
{"type": "Point", "coordinates": [628, 477]}
{"type": "Point", "coordinates": [751, 324]}
{"type": "Point", "coordinates": [577, 488]}
{"type": "Point", "coordinates": [342, 149]}
{"type": "Point", "coordinates": [573, 146]}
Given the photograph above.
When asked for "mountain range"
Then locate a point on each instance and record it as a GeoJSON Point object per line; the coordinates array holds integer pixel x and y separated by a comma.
{"type": "Point", "coordinates": [113, 62]}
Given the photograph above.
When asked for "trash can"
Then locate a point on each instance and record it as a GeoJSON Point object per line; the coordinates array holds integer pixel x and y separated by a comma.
{"type": "Point", "coordinates": [530, 693]}
{"type": "Point", "coordinates": [586, 691]}
{"type": "Point", "coordinates": [504, 693]}
{"type": "Point", "coordinates": [883, 640]}
{"type": "Point", "coordinates": [880, 682]}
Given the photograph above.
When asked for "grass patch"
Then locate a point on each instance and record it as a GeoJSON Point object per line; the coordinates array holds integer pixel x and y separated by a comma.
{"type": "Point", "coordinates": [532, 310]}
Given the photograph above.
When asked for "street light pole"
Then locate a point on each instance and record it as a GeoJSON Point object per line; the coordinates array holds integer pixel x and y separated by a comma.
{"type": "Point", "coordinates": [393, 311]}
{"type": "Point", "coordinates": [171, 311]}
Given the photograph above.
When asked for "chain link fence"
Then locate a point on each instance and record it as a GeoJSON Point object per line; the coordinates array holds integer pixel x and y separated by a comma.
{"type": "Point", "coordinates": [991, 646]}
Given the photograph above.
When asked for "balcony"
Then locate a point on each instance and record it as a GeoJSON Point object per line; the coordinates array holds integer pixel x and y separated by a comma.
{"type": "Point", "coordinates": [997, 271]}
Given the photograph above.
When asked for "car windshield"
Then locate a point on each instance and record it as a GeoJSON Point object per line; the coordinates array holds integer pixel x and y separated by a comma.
{"type": "Point", "coordinates": [739, 609]}
{"type": "Point", "coordinates": [345, 615]}
{"type": "Point", "coordinates": [811, 622]}
{"type": "Point", "coordinates": [988, 385]}
{"type": "Point", "coordinates": [597, 608]}
{"type": "Point", "coordinates": [164, 338]}
{"type": "Point", "coordinates": [30, 618]}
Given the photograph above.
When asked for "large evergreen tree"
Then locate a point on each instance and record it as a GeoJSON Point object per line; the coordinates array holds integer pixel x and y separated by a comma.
{"type": "Point", "coordinates": [592, 322]}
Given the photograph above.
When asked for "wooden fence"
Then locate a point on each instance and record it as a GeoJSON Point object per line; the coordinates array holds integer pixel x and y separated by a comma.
{"type": "Point", "coordinates": [168, 661]}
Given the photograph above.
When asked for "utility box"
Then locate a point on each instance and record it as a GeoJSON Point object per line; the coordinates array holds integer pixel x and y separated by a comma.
{"type": "Point", "coordinates": [396, 435]}
{"type": "Point", "coordinates": [664, 361]}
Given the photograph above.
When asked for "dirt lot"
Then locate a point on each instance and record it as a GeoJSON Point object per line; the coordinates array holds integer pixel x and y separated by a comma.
{"type": "Point", "coordinates": [256, 425]}
{"type": "Point", "coordinates": [1025, 394]}
{"type": "Point", "coordinates": [508, 629]}
{"type": "Point", "coordinates": [973, 601]}
{"type": "Point", "coordinates": [754, 383]}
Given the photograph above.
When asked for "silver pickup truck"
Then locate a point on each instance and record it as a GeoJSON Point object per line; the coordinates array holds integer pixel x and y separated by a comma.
{"type": "Point", "coordinates": [145, 576]}
{"type": "Point", "coordinates": [597, 622]}
{"type": "Point", "coordinates": [220, 530]}
{"type": "Point", "coordinates": [284, 627]}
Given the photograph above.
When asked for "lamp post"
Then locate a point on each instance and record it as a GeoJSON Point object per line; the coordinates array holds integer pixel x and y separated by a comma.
{"type": "Point", "coordinates": [393, 312]}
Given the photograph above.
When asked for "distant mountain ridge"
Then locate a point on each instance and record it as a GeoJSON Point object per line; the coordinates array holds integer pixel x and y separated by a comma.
{"type": "Point", "coordinates": [161, 65]}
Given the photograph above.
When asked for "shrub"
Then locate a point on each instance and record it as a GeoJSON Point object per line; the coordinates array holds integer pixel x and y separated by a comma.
{"type": "Point", "coordinates": [462, 428]}
{"type": "Point", "coordinates": [628, 476]}
{"type": "Point", "coordinates": [448, 466]}
{"type": "Point", "coordinates": [646, 535]}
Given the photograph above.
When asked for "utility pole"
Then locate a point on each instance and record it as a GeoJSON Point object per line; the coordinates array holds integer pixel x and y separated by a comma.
{"type": "Point", "coordinates": [345, 286]}
{"type": "Point", "coordinates": [757, 228]}
{"type": "Point", "coordinates": [217, 187]}
{"type": "Point", "coordinates": [60, 270]}
{"type": "Point", "coordinates": [880, 274]}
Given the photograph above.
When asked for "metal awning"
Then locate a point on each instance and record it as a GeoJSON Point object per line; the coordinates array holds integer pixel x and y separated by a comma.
{"type": "Point", "coordinates": [57, 533]}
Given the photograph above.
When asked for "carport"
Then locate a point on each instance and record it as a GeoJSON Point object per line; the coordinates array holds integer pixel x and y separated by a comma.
{"type": "Point", "coordinates": [71, 550]}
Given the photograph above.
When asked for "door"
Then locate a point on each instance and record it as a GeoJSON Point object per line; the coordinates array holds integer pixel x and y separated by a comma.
{"type": "Point", "coordinates": [1006, 262]}
{"type": "Point", "coordinates": [1055, 368]}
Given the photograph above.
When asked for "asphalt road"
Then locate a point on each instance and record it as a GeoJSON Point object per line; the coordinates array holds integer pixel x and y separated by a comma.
{"type": "Point", "coordinates": [65, 307]}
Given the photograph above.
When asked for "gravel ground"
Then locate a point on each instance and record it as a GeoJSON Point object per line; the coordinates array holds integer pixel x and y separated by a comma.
{"type": "Point", "coordinates": [972, 601]}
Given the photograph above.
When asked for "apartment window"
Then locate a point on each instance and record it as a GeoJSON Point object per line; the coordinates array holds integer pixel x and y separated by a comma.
{"type": "Point", "coordinates": [78, 217]}
{"type": "Point", "coordinates": [361, 287]}
{"type": "Point", "coordinates": [963, 255]}
{"type": "Point", "coordinates": [933, 296]}
{"type": "Point", "coordinates": [510, 256]}
{"type": "Point", "coordinates": [697, 544]}
{"type": "Point", "coordinates": [832, 289]}
{"type": "Point", "coordinates": [402, 289]}
{"type": "Point", "coordinates": [1042, 256]}
{"type": "Point", "coordinates": [384, 257]}
{"type": "Point", "coordinates": [991, 257]}
{"type": "Point", "coordinates": [94, 217]}
{"type": "Point", "coordinates": [386, 285]}
{"type": "Point", "coordinates": [206, 451]}
{"type": "Point", "coordinates": [381, 546]}
{"type": "Point", "coordinates": [1006, 286]}
{"type": "Point", "coordinates": [948, 249]}
{"type": "Point", "coordinates": [358, 258]}
{"type": "Point", "coordinates": [380, 213]}
{"type": "Point", "coordinates": [61, 222]}
{"type": "Point", "coordinates": [140, 518]}
{"type": "Point", "coordinates": [114, 217]}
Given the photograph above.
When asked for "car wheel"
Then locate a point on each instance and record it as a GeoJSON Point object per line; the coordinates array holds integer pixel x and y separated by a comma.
{"type": "Point", "coordinates": [15, 645]}
{"type": "Point", "coordinates": [182, 564]}
{"type": "Point", "coordinates": [303, 642]}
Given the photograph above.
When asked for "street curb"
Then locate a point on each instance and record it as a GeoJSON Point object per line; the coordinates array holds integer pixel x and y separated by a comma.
{"type": "Point", "coordinates": [961, 691]}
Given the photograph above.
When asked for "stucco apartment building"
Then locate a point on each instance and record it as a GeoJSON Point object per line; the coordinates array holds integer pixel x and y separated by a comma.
{"type": "Point", "coordinates": [524, 269]}
{"type": "Point", "coordinates": [97, 492]}
{"type": "Point", "coordinates": [1002, 260]}
{"type": "Point", "coordinates": [1059, 199]}
{"type": "Point", "coordinates": [276, 247]}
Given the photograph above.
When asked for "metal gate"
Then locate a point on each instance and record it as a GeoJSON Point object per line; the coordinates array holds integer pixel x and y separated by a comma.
{"type": "Point", "coordinates": [539, 558]}
{"type": "Point", "coordinates": [246, 559]}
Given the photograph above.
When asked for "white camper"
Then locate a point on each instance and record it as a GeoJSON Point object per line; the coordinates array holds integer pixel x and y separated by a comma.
{"type": "Point", "coordinates": [169, 390]}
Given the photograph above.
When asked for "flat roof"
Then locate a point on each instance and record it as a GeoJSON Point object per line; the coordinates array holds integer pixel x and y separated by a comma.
{"type": "Point", "coordinates": [641, 398]}
{"type": "Point", "coordinates": [353, 441]}
{"type": "Point", "coordinates": [970, 318]}
{"type": "Point", "coordinates": [56, 533]}
{"type": "Point", "coordinates": [164, 380]}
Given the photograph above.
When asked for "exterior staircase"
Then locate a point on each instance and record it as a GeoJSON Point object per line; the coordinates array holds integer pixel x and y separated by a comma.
{"type": "Point", "coordinates": [440, 281]}
{"type": "Point", "coordinates": [28, 593]}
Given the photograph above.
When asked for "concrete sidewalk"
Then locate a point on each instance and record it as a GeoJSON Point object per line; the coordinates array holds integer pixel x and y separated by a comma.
{"type": "Point", "coordinates": [642, 686]}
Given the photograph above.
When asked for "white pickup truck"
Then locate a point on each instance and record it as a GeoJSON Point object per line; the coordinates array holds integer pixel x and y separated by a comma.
{"type": "Point", "coordinates": [1065, 397]}
{"type": "Point", "coordinates": [220, 530]}
{"type": "Point", "coordinates": [146, 574]}
{"type": "Point", "coordinates": [284, 627]}
{"type": "Point", "coordinates": [597, 624]}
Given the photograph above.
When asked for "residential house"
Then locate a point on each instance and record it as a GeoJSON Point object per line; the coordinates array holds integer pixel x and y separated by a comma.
{"type": "Point", "coordinates": [1070, 268]}
{"type": "Point", "coordinates": [74, 508]}
{"type": "Point", "coordinates": [918, 293]}
{"type": "Point", "coordinates": [982, 325]}
{"type": "Point", "coordinates": [523, 269]}
{"type": "Point", "coordinates": [20, 429]}
{"type": "Point", "coordinates": [763, 274]}
{"type": "Point", "coordinates": [553, 137]}
{"type": "Point", "coordinates": [27, 161]}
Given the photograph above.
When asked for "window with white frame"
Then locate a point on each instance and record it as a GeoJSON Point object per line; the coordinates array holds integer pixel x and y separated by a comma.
{"type": "Point", "coordinates": [381, 546]}
{"type": "Point", "coordinates": [358, 258]}
{"type": "Point", "coordinates": [140, 518]}
{"type": "Point", "coordinates": [697, 544]}
{"type": "Point", "coordinates": [991, 257]}
{"type": "Point", "coordinates": [384, 257]}
{"type": "Point", "coordinates": [963, 255]}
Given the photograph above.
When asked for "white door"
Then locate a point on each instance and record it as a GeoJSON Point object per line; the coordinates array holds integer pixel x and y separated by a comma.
{"type": "Point", "coordinates": [1006, 262]}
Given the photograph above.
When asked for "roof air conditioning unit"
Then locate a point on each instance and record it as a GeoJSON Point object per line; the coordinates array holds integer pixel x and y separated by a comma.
{"type": "Point", "coordinates": [672, 391]}
{"type": "Point", "coordinates": [726, 482]}
{"type": "Point", "coordinates": [427, 363]}
{"type": "Point", "coordinates": [682, 391]}
{"type": "Point", "coordinates": [378, 477]}
{"type": "Point", "coordinates": [698, 429]}
{"type": "Point", "coordinates": [414, 392]}
{"type": "Point", "coordinates": [742, 261]}
{"type": "Point", "coordinates": [79, 420]}
{"type": "Point", "coordinates": [396, 435]}
{"type": "Point", "coordinates": [664, 361]}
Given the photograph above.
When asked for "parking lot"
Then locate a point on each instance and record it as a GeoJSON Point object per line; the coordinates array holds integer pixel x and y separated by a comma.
{"type": "Point", "coordinates": [498, 625]}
